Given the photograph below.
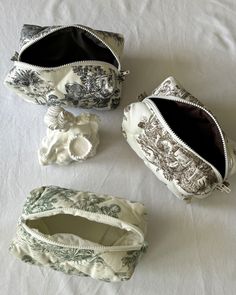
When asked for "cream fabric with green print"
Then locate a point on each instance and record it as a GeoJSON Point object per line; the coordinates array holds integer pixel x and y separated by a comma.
{"type": "Point", "coordinates": [81, 233]}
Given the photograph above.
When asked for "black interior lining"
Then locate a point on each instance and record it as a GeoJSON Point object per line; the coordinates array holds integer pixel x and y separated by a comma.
{"type": "Point", "coordinates": [196, 128]}
{"type": "Point", "coordinates": [66, 46]}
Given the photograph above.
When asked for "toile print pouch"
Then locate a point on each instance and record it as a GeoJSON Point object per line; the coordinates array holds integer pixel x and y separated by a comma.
{"type": "Point", "coordinates": [81, 233]}
{"type": "Point", "coordinates": [181, 141]}
{"type": "Point", "coordinates": [68, 66]}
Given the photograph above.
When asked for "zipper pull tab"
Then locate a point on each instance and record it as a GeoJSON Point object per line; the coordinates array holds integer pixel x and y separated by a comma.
{"type": "Point", "coordinates": [123, 74]}
{"type": "Point", "coordinates": [224, 187]}
{"type": "Point", "coordinates": [142, 96]}
{"type": "Point", "coordinates": [188, 200]}
{"type": "Point", "coordinates": [15, 56]}
{"type": "Point", "coordinates": [144, 247]}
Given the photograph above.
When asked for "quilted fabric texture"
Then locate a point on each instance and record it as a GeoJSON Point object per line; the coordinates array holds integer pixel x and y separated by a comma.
{"type": "Point", "coordinates": [89, 83]}
{"type": "Point", "coordinates": [185, 172]}
{"type": "Point", "coordinates": [76, 255]}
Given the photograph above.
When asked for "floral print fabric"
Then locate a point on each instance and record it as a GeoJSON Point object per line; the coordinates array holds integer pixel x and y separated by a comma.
{"type": "Point", "coordinates": [185, 174]}
{"type": "Point", "coordinates": [98, 263]}
{"type": "Point", "coordinates": [85, 84]}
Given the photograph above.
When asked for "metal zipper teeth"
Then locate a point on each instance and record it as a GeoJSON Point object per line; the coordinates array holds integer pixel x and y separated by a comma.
{"type": "Point", "coordinates": [64, 27]}
{"type": "Point", "coordinates": [86, 62]}
{"type": "Point", "coordinates": [173, 98]}
{"type": "Point", "coordinates": [113, 220]}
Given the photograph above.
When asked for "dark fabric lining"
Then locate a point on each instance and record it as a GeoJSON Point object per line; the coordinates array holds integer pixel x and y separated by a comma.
{"type": "Point", "coordinates": [66, 46]}
{"type": "Point", "coordinates": [196, 128]}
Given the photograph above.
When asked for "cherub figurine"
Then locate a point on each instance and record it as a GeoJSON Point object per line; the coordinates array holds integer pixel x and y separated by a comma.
{"type": "Point", "coordinates": [69, 138]}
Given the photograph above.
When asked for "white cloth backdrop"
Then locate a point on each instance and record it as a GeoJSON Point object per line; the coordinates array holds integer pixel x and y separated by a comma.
{"type": "Point", "coordinates": [192, 248]}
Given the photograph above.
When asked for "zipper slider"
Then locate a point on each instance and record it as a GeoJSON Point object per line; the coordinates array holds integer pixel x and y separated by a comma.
{"type": "Point", "coordinates": [188, 200]}
{"type": "Point", "coordinates": [123, 74]}
{"type": "Point", "coordinates": [141, 96]}
{"type": "Point", "coordinates": [15, 56]}
{"type": "Point", "coordinates": [224, 187]}
{"type": "Point", "coordinates": [144, 247]}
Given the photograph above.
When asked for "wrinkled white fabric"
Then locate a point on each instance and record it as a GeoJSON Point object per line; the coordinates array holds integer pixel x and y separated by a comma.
{"type": "Point", "coordinates": [191, 247]}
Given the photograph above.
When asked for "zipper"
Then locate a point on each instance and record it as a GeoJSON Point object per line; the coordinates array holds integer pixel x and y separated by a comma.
{"type": "Point", "coordinates": [222, 185]}
{"type": "Point", "coordinates": [83, 62]}
{"type": "Point", "coordinates": [123, 74]}
{"type": "Point", "coordinates": [142, 96]}
{"type": "Point", "coordinates": [110, 221]}
{"type": "Point", "coordinates": [64, 27]}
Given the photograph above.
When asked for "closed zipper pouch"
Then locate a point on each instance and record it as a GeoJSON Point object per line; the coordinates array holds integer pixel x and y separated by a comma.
{"type": "Point", "coordinates": [195, 128]}
{"type": "Point", "coordinates": [65, 45]}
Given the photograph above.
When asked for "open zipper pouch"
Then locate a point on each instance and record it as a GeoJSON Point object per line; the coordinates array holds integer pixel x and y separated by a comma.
{"type": "Point", "coordinates": [68, 65]}
{"type": "Point", "coordinates": [81, 233]}
{"type": "Point", "coordinates": [180, 141]}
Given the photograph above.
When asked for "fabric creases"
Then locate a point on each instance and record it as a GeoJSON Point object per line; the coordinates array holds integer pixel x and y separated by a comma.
{"type": "Point", "coordinates": [180, 141]}
{"type": "Point", "coordinates": [81, 233]}
{"type": "Point", "coordinates": [82, 67]}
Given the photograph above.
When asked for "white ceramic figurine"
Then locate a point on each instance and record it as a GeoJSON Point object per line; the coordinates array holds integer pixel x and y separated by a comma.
{"type": "Point", "coordinates": [69, 138]}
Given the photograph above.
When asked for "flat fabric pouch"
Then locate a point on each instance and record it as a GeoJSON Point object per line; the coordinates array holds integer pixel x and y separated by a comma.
{"type": "Point", "coordinates": [181, 141]}
{"type": "Point", "coordinates": [68, 66]}
{"type": "Point", "coordinates": [81, 233]}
